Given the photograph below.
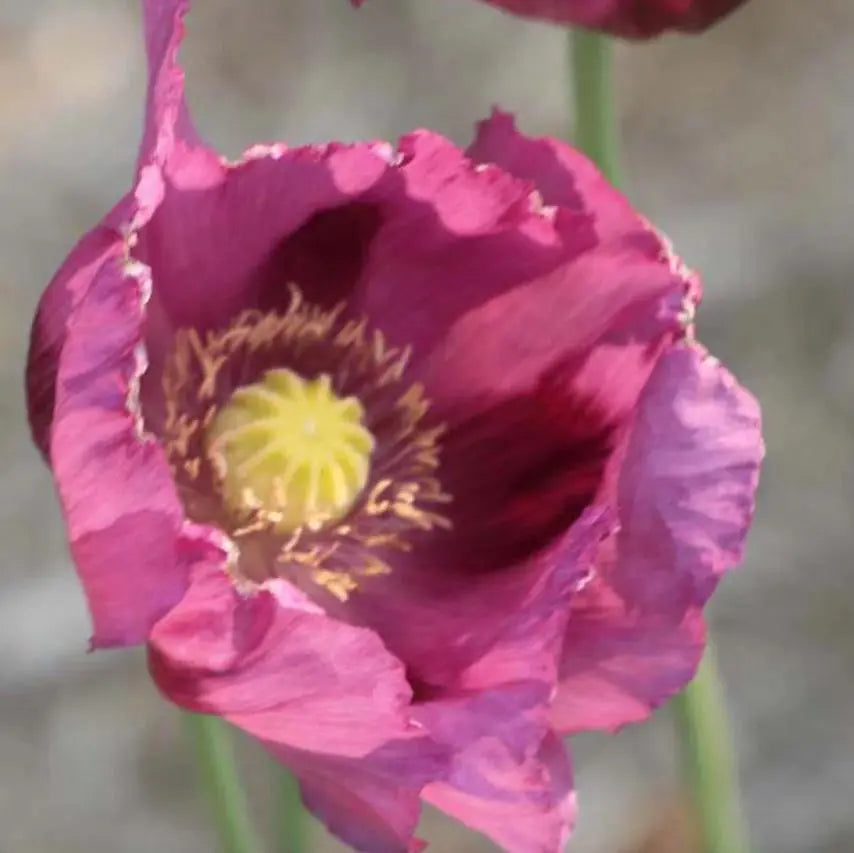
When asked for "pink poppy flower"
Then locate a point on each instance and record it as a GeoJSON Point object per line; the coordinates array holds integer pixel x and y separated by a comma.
{"type": "Point", "coordinates": [404, 460]}
{"type": "Point", "coordinates": [637, 19]}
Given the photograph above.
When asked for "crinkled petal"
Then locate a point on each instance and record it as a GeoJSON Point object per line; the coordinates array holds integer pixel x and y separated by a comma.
{"type": "Point", "coordinates": [598, 287]}
{"type": "Point", "coordinates": [688, 481]}
{"type": "Point", "coordinates": [275, 665]}
{"type": "Point", "coordinates": [525, 804]}
{"type": "Point", "coordinates": [372, 803]}
{"type": "Point", "coordinates": [526, 646]}
{"type": "Point", "coordinates": [510, 777]}
{"type": "Point", "coordinates": [165, 117]}
{"type": "Point", "coordinates": [563, 359]}
{"type": "Point", "coordinates": [454, 234]}
{"type": "Point", "coordinates": [492, 629]}
{"type": "Point", "coordinates": [567, 332]}
{"type": "Point", "coordinates": [619, 663]}
{"type": "Point", "coordinates": [324, 698]}
{"type": "Point", "coordinates": [487, 705]}
{"type": "Point", "coordinates": [47, 336]}
{"type": "Point", "coordinates": [564, 177]}
{"type": "Point", "coordinates": [611, 299]}
{"type": "Point", "coordinates": [116, 489]}
{"type": "Point", "coordinates": [686, 494]}
{"type": "Point", "coordinates": [228, 239]}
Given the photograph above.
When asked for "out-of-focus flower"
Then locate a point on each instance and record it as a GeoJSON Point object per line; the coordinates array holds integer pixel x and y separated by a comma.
{"type": "Point", "coordinates": [402, 459]}
{"type": "Point", "coordinates": [637, 19]}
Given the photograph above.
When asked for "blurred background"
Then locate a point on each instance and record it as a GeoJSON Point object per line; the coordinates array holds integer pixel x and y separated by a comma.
{"type": "Point", "coordinates": [738, 144]}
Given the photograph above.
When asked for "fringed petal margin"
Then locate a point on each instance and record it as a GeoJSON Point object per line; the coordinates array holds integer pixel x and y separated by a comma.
{"type": "Point", "coordinates": [115, 485]}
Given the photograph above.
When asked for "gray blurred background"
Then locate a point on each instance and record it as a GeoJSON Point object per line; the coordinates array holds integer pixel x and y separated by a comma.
{"type": "Point", "coordinates": [739, 144]}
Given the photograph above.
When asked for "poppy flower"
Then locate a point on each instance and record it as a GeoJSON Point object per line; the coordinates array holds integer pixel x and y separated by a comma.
{"type": "Point", "coordinates": [637, 19]}
{"type": "Point", "coordinates": [402, 459]}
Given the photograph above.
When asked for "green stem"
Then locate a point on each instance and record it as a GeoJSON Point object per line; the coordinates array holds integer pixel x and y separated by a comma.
{"type": "Point", "coordinates": [218, 772]}
{"type": "Point", "coordinates": [701, 714]}
{"type": "Point", "coordinates": [703, 726]}
{"type": "Point", "coordinates": [292, 822]}
{"type": "Point", "coordinates": [593, 97]}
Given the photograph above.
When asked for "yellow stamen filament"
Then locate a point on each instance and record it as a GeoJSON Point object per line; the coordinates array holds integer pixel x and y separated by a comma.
{"type": "Point", "coordinates": [291, 448]}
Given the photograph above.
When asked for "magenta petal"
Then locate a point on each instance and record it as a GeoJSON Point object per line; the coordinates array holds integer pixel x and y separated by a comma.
{"type": "Point", "coordinates": [275, 665]}
{"type": "Point", "coordinates": [603, 310]}
{"type": "Point", "coordinates": [505, 762]}
{"type": "Point", "coordinates": [228, 239]}
{"type": "Point", "coordinates": [627, 18]}
{"type": "Point", "coordinates": [49, 329]}
{"type": "Point", "coordinates": [115, 485]}
{"type": "Point", "coordinates": [165, 118]}
{"type": "Point", "coordinates": [601, 322]}
{"type": "Point", "coordinates": [372, 803]}
{"type": "Point", "coordinates": [609, 295]}
{"type": "Point", "coordinates": [688, 482]}
{"type": "Point", "coordinates": [526, 805]}
{"type": "Point", "coordinates": [526, 645]}
{"type": "Point", "coordinates": [493, 629]}
{"type": "Point", "coordinates": [565, 177]}
{"type": "Point", "coordinates": [85, 365]}
{"type": "Point", "coordinates": [620, 663]}
{"type": "Point", "coordinates": [685, 499]}
{"type": "Point", "coordinates": [166, 115]}
{"type": "Point", "coordinates": [456, 233]}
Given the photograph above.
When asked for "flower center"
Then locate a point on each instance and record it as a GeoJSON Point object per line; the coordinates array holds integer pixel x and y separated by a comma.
{"type": "Point", "coordinates": [298, 434]}
{"type": "Point", "coordinates": [291, 449]}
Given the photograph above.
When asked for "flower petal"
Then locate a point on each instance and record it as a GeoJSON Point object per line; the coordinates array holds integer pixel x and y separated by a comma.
{"type": "Point", "coordinates": [525, 804]}
{"type": "Point", "coordinates": [565, 177]}
{"type": "Point", "coordinates": [230, 238]}
{"type": "Point", "coordinates": [567, 329]}
{"type": "Point", "coordinates": [621, 663]}
{"type": "Point", "coordinates": [588, 292]}
{"type": "Point", "coordinates": [685, 499]}
{"type": "Point", "coordinates": [494, 629]}
{"type": "Point", "coordinates": [454, 233]}
{"type": "Point", "coordinates": [47, 336]}
{"type": "Point", "coordinates": [628, 18]}
{"type": "Point", "coordinates": [490, 718]}
{"type": "Point", "coordinates": [688, 481]}
{"type": "Point", "coordinates": [275, 665]}
{"type": "Point", "coordinates": [532, 421]}
{"type": "Point", "coordinates": [116, 489]}
{"type": "Point", "coordinates": [167, 117]}
{"type": "Point", "coordinates": [607, 304]}
{"type": "Point", "coordinates": [372, 803]}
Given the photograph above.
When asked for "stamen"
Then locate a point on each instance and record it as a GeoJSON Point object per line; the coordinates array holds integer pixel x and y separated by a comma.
{"type": "Point", "coordinates": [297, 434]}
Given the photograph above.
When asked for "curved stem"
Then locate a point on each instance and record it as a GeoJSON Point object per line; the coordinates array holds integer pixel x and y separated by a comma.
{"type": "Point", "coordinates": [702, 721]}
{"type": "Point", "coordinates": [593, 100]}
{"type": "Point", "coordinates": [218, 772]}
{"type": "Point", "coordinates": [703, 726]}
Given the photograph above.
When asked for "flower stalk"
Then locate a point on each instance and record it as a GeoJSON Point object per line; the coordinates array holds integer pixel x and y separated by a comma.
{"type": "Point", "coordinates": [701, 715]}
{"type": "Point", "coordinates": [594, 103]}
{"type": "Point", "coordinates": [218, 773]}
{"type": "Point", "coordinates": [703, 727]}
{"type": "Point", "coordinates": [291, 823]}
